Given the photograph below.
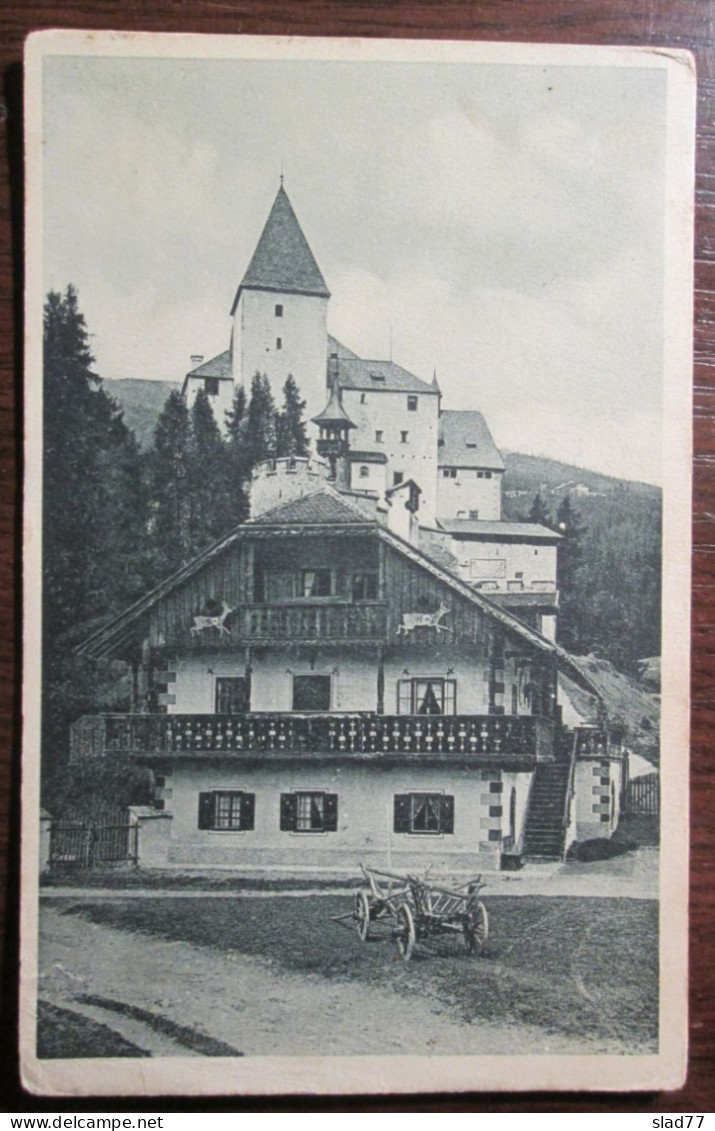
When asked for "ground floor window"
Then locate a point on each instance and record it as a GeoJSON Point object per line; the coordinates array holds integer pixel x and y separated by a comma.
{"type": "Point", "coordinates": [428, 813]}
{"type": "Point", "coordinates": [309, 812]}
{"type": "Point", "coordinates": [231, 809]}
{"type": "Point", "coordinates": [428, 696]}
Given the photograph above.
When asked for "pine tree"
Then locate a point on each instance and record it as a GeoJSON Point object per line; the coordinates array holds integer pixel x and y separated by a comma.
{"type": "Point", "coordinates": [94, 519]}
{"type": "Point", "coordinates": [208, 480]}
{"type": "Point", "coordinates": [171, 521]}
{"type": "Point", "coordinates": [237, 458]}
{"type": "Point", "coordinates": [539, 512]}
{"type": "Point", "coordinates": [570, 552]}
{"type": "Point", "coordinates": [260, 422]}
{"type": "Point", "coordinates": [291, 438]}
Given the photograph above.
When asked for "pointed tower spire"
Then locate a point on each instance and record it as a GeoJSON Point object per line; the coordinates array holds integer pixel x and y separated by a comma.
{"type": "Point", "coordinates": [435, 382]}
{"type": "Point", "coordinates": [283, 260]}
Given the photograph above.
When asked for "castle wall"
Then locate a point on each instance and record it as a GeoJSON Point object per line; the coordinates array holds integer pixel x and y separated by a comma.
{"type": "Point", "coordinates": [282, 480]}
{"type": "Point", "coordinates": [473, 493]}
{"type": "Point", "coordinates": [386, 412]}
{"type": "Point", "coordinates": [221, 402]}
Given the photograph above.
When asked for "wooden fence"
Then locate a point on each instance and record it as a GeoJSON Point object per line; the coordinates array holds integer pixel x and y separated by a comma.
{"type": "Point", "coordinates": [643, 794]}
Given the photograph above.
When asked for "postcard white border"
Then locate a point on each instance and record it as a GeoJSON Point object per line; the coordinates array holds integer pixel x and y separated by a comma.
{"type": "Point", "coordinates": [387, 1074]}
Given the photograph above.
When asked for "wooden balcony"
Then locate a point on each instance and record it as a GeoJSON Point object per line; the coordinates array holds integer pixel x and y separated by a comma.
{"type": "Point", "coordinates": [521, 737]}
{"type": "Point", "coordinates": [307, 622]}
{"type": "Point", "coordinates": [594, 743]}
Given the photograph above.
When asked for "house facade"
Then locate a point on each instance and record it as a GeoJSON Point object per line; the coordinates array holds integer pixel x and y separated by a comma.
{"type": "Point", "coordinates": [314, 691]}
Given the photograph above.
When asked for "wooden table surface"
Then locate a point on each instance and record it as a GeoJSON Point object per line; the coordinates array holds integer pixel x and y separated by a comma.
{"type": "Point", "coordinates": [671, 23]}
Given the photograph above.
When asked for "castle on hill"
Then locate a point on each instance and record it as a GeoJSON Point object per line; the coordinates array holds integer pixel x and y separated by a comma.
{"type": "Point", "coordinates": [400, 447]}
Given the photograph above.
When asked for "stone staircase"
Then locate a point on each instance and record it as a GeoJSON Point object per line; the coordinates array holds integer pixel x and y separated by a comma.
{"type": "Point", "coordinates": [544, 834]}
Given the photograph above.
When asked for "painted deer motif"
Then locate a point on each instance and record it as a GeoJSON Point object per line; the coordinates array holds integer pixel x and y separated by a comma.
{"type": "Point", "coordinates": [422, 620]}
{"type": "Point", "coordinates": [200, 623]}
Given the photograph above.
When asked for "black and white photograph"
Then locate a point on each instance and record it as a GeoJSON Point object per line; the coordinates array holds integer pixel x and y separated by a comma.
{"type": "Point", "coordinates": [357, 550]}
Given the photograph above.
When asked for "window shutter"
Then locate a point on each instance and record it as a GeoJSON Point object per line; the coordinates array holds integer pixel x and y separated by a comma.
{"type": "Point", "coordinates": [248, 810]}
{"type": "Point", "coordinates": [447, 814]}
{"type": "Point", "coordinates": [289, 812]}
{"type": "Point", "coordinates": [402, 812]}
{"type": "Point", "coordinates": [206, 811]}
{"type": "Point", "coordinates": [330, 813]}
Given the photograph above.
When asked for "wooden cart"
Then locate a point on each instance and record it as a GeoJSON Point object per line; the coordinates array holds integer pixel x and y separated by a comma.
{"type": "Point", "coordinates": [416, 909]}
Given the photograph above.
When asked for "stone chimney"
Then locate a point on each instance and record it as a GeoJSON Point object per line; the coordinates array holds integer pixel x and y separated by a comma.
{"type": "Point", "coordinates": [196, 359]}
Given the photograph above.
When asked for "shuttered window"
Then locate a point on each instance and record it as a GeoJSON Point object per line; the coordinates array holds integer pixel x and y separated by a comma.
{"type": "Point", "coordinates": [229, 810]}
{"type": "Point", "coordinates": [309, 812]}
{"type": "Point", "coordinates": [430, 814]}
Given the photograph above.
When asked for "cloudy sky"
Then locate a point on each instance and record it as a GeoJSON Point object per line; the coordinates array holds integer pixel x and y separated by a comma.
{"type": "Point", "coordinates": [503, 223]}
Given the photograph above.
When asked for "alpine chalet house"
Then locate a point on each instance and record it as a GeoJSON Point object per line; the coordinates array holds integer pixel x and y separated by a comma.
{"type": "Point", "coordinates": [366, 669]}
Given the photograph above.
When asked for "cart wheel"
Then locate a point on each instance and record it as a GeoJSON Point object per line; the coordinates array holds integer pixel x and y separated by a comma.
{"type": "Point", "coordinates": [476, 927]}
{"type": "Point", "coordinates": [405, 931]}
{"type": "Point", "coordinates": [362, 915]}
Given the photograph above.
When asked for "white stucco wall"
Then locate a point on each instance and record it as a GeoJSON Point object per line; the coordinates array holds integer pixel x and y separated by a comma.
{"type": "Point", "coordinates": [387, 412]}
{"type": "Point", "coordinates": [500, 562]}
{"type": "Point", "coordinates": [456, 497]}
{"type": "Point", "coordinates": [304, 344]}
{"type": "Point", "coordinates": [365, 817]}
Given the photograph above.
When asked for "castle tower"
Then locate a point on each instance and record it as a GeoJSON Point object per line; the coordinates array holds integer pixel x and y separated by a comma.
{"type": "Point", "coordinates": [280, 312]}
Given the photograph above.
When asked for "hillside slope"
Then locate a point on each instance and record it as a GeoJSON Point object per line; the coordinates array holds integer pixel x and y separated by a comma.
{"type": "Point", "coordinates": [141, 402]}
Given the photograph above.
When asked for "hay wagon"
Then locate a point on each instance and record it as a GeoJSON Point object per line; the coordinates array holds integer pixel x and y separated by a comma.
{"type": "Point", "coordinates": [416, 909]}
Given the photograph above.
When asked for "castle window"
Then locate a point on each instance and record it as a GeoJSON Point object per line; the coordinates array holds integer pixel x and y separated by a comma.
{"type": "Point", "coordinates": [474, 514]}
{"type": "Point", "coordinates": [279, 310]}
{"type": "Point", "coordinates": [303, 812]}
{"type": "Point", "coordinates": [279, 343]}
{"type": "Point", "coordinates": [449, 472]}
{"type": "Point", "coordinates": [431, 813]}
{"type": "Point", "coordinates": [211, 386]}
{"type": "Point", "coordinates": [487, 474]}
{"type": "Point", "coordinates": [398, 478]}
{"type": "Point", "coordinates": [364, 471]}
{"type": "Point", "coordinates": [231, 695]}
{"type": "Point", "coordinates": [231, 810]}
{"type": "Point", "coordinates": [316, 583]}
{"type": "Point", "coordinates": [365, 586]}
{"type": "Point", "coordinates": [470, 444]}
{"type": "Point", "coordinates": [378, 437]}
{"type": "Point", "coordinates": [377, 377]}
{"type": "Point", "coordinates": [363, 398]}
{"type": "Point", "coordinates": [311, 693]}
{"type": "Point", "coordinates": [403, 437]}
{"type": "Point", "coordinates": [412, 404]}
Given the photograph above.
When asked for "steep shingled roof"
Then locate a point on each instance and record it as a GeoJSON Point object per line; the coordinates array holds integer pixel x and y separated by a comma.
{"type": "Point", "coordinates": [465, 441]}
{"type": "Point", "coordinates": [283, 260]}
{"type": "Point", "coordinates": [219, 366]}
{"type": "Point", "coordinates": [357, 373]}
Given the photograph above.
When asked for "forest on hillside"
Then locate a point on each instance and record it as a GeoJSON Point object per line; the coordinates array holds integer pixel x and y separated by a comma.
{"type": "Point", "coordinates": [119, 516]}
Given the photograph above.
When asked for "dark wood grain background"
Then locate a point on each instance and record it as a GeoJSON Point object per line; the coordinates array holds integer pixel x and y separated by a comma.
{"type": "Point", "coordinates": [671, 23]}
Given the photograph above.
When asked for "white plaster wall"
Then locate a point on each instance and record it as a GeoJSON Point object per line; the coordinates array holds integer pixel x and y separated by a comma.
{"type": "Point", "coordinates": [365, 818]}
{"type": "Point", "coordinates": [304, 337]}
{"type": "Point", "coordinates": [537, 563]}
{"type": "Point", "coordinates": [593, 797]}
{"type": "Point", "coordinates": [417, 458]}
{"type": "Point", "coordinates": [467, 492]}
{"type": "Point", "coordinates": [281, 483]}
{"type": "Point", "coordinates": [472, 677]}
{"type": "Point", "coordinates": [375, 480]}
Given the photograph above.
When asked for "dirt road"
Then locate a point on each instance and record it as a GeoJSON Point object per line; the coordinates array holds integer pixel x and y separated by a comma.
{"type": "Point", "coordinates": [251, 1006]}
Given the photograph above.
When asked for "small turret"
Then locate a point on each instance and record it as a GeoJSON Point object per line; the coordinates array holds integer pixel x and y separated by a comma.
{"type": "Point", "coordinates": [333, 440]}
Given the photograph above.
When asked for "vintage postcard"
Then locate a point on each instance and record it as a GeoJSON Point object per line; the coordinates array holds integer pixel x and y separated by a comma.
{"type": "Point", "coordinates": [357, 565]}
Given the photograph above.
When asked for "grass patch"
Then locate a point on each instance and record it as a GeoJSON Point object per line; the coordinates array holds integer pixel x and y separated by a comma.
{"type": "Point", "coordinates": [182, 1034]}
{"type": "Point", "coordinates": [576, 966]}
{"type": "Point", "coordinates": [121, 879]}
{"type": "Point", "coordinates": [62, 1034]}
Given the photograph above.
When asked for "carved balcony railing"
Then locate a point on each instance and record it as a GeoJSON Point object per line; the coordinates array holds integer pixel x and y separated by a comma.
{"type": "Point", "coordinates": [307, 622]}
{"type": "Point", "coordinates": [594, 743]}
{"type": "Point", "coordinates": [274, 733]}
